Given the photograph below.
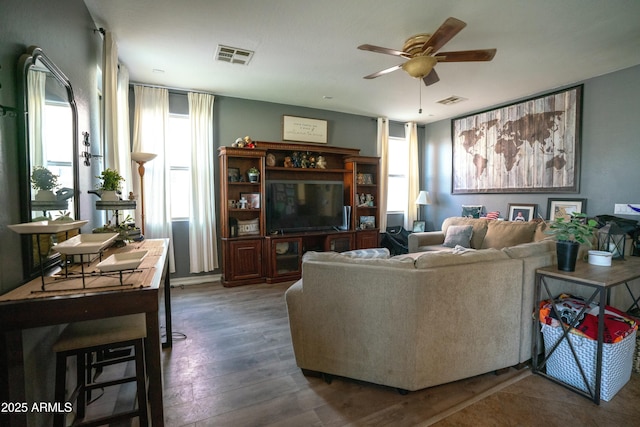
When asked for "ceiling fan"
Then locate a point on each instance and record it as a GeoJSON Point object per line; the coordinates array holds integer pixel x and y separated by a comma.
{"type": "Point", "coordinates": [419, 50]}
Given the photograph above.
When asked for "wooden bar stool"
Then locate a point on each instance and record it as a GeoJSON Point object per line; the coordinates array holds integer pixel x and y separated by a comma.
{"type": "Point", "coordinates": [83, 339]}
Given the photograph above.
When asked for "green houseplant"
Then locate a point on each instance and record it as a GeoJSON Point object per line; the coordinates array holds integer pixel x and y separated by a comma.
{"type": "Point", "coordinates": [44, 181]}
{"type": "Point", "coordinates": [110, 185]}
{"type": "Point", "coordinates": [253, 174]}
{"type": "Point", "coordinates": [569, 235]}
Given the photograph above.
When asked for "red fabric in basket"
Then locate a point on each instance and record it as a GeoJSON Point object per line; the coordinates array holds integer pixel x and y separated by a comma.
{"type": "Point", "coordinates": [617, 325]}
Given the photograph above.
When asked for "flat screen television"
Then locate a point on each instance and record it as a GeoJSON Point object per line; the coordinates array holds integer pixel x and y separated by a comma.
{"type": "Point", "coordinates": [294, 206]}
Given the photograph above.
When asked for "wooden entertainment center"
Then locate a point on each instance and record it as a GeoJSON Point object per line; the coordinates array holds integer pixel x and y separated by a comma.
{"type": "Point", "coordinates": [253, 254]}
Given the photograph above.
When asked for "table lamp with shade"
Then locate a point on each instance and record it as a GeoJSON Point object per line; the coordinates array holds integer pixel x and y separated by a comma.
{"type": "Point", "coordinates": [422, 200]}
{"type": "Point", "coordinates": [141, 158]}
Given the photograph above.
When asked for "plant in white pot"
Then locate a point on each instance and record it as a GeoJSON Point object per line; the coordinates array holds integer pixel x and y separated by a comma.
{"type": "Point", "coordinates": [569, 235]}
{"type": "Point", "coordinates": [111, 184]}
{"type": "Point", "coordinates": [253, 174]}
{"type": "Point", "coordinates": [44, 182]}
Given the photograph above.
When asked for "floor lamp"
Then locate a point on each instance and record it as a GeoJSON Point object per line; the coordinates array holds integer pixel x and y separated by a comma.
{"type": "Point", "coordinates": [141, 158]}
{"type": "Point", "coordinates": [423, 199]}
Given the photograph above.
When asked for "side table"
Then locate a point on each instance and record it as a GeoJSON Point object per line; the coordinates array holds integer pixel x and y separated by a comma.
{"type": "Point", "coordinates": [601, 280]}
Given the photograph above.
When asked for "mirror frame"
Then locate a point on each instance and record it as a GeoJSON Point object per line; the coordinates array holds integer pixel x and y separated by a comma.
{"type": "Point", "coordinates": [27, 61]}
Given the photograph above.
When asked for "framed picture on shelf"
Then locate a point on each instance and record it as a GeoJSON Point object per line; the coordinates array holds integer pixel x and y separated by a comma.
{"type": "Point", "coordinates": [418, 226]}
{"type": "Point", "coordinates": [565, 207]}
{"type": "Point", "coordinates": [233, 174]}
{"type": "Point", "coordinates": [522, 212]}
{"type": "Point", "coordinates": [253, 200]}
{"type": "Point", "coordinates": [367, 221]}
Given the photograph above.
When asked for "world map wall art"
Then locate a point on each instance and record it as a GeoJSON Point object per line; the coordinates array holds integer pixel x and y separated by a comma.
{"type": "Point", "coordinates": [531, 146]}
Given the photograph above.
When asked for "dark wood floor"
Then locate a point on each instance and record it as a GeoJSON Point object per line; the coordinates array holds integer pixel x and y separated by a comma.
{"type": "Point", "coordinates": [236, 368]}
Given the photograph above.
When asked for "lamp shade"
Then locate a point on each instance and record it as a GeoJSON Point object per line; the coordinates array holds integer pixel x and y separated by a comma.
{"type": "Point", "coordinates": [140, 157]}
{"type": "Point", "coordinates": [423, 198]}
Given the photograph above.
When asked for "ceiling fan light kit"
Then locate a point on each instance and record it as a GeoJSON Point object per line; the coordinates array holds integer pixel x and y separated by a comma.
{"type": "Point", "coordinates": [419, 66]}
{"type": "Point", "coordinates": [420, 52]}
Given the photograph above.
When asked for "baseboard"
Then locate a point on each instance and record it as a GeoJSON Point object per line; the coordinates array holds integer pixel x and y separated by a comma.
{"type": "Point", "coordinates": [195, 280]}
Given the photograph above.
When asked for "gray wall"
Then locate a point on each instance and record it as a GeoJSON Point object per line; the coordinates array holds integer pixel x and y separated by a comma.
{"type": "Point", "coordinates": [610, 153]}
{"type": "Point", "coordinates": [63, 29]}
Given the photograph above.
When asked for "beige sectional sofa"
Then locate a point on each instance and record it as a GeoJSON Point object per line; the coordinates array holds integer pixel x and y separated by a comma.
{"type": "Point", "coordinates": [486, 234]}
{"type": "Point", "coordinates": [417, 320]}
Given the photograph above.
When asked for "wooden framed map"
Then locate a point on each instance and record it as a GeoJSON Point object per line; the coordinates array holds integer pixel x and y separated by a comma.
{"type": "Point", "coordinates": [531, 146]}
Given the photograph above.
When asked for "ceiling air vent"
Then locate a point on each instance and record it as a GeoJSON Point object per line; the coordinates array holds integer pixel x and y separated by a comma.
{"type": "Point", "coordinates": [233, 55]}
{"type": "Point", "coordinates": [451, 100]}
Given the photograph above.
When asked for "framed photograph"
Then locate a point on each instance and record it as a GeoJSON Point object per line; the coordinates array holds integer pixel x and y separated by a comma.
{"type": "Point", "coordinates": [303, 129]}
{"type": "Point", "coordinates": [367, 221]}
{"type": "Point", "coordinates": [253, 200]}
{"type": "Point", "coordinates": [522, 212]}
{"type": "Point", "coordinates": [565, 207]}
{"type": "Point", "coordinates": [418, 226]}
{"type": "Point", "coordinates": [233, 174]}
{"type": "Point", "coordinates": [530, 146]}
{"type": "Point", "coordinates": [471, 211]}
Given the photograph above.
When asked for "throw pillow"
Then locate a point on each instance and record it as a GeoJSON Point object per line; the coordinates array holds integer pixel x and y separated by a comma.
{"type": "Point", "coordinates": [249, 227]}
{"type": "Point", "coordinates": [458, 235]}
{"type": "Point", "coordinates": [368, 253]}
{"type": "Point", "coordinates": [501, 234]}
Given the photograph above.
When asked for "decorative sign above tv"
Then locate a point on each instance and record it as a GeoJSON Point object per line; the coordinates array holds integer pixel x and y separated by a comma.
{"type": "Point", "coordinates": [530, 146]}
{"type": "Point", "coordinates": [303, 129]}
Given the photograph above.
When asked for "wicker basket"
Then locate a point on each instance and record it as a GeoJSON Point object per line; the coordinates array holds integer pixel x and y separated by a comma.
{"type": "Point", "coordinates": [616, 361]}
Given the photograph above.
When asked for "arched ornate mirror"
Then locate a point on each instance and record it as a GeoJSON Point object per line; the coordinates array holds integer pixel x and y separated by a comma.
{"type": "Point", "coordinates": [49, 152]}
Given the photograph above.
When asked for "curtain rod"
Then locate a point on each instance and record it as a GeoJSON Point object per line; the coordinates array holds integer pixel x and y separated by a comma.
{"type": "Point", "coordinates": [175, 89]}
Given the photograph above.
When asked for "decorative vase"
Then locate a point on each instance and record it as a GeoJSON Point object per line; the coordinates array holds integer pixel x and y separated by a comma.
{"type": "Point", "coordinates": [253, 177]}
{"type": "Point", "coordinates": [567, 254]}
{"type": "Point", "coordinates": [109, 196]}
{"type": "Point", "coordinates": [45, 196]}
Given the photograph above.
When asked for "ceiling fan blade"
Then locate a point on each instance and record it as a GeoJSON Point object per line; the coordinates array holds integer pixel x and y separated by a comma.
{"type": "Point", "coordinates": [384, 50]}
{"type": "Point", "coordinates": [446, 32]}
{"type": "Point", "coordinates": [383, 72]}
{"type": "Point", "coordinates": [467, 55]}
{"type": "Point", "coordinates": [431, 78]}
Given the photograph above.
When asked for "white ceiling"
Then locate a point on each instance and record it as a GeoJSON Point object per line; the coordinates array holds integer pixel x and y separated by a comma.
{"type": "Point", "coordinates": [306, 50]}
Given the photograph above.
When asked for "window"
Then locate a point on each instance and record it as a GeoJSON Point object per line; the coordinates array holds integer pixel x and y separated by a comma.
{"type": "Point", "coordinates": [398, 184]}
{"type": "Point", "coordinates": [179, 160]}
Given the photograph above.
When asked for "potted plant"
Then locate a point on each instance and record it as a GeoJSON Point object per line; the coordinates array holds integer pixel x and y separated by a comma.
{"type": "Point", "coordinates": [253, 174]}
{"type": "Point", "coordinates": [111, 184]}
{"type": "Point", "coordinates": [570, 234]}
{"type": "Point", "coordinates": [44, 182]}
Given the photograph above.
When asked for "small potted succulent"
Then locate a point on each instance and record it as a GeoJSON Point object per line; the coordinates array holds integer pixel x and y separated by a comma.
{"type": "Point", "coordinates": [253, 174]}
{"type": "Point", "coordinates": [569, 235]}
{"type": "Point", "coordinates": [44, 182]}
{"type": "Point", "coordinates": [111, 184]}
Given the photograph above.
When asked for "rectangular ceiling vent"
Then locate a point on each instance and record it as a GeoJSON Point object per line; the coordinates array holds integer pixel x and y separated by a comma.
{"type": "Point", "coordinates": [233, 55]}
{"type": "Point", "coordinates": [451, 100]}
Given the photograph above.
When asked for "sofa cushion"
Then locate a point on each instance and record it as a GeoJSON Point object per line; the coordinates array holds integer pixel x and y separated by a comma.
{"type": "Point", "coordinates": [458, 235]}
{"type": "Point", "coordinates": [530, 249]}
{"type": "Point", "coordinates": [501, 234]}
{"type": "Point", "coordinates": [346, 259]}
{"type": "Point", "coordinates": [479, 228]}
{"type": "Point", "coordinates": [440, 259]}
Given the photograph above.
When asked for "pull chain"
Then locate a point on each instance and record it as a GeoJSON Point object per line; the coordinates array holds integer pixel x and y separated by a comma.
{"type": "Point", "coordinates": [420, 92]}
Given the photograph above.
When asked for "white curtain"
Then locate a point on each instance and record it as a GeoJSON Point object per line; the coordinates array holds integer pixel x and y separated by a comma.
{"type": "Point", "coordinates": [203, 250]}
{"type": "Point", "coordinates": [36, 81]}
{"type": "Point", "coordinates": [150, 123]}
{"type": "Point", "coordinates": [116, 114]}
{"type": "Point", "coordinates": [411, 134]}
{"type": "Point", "coordinates": [383, 153]}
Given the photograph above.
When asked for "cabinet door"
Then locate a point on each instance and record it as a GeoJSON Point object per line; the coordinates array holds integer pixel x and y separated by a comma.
{"type": "Point", "coordinates": [285, 258]}
{"type": "Point", "coordinates": [339, 242]}
{"type": "Point", "coordinates": [367, 239]}
{"type": "Point", "coordinates": [245, 261]}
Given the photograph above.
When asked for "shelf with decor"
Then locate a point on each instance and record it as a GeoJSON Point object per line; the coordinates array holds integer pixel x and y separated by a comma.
{"type": "Point", "coordinates": [365, 195]}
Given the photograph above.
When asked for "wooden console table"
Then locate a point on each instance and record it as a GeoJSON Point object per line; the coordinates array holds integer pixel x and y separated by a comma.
{"type": "Point", "coordinates": [602, 280]}
{"type": "Point", "coordinates": [66, 301]}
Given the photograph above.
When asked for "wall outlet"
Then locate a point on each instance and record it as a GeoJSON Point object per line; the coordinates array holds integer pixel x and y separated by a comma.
{"type": "Point", "coordinates": [625, 208]}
